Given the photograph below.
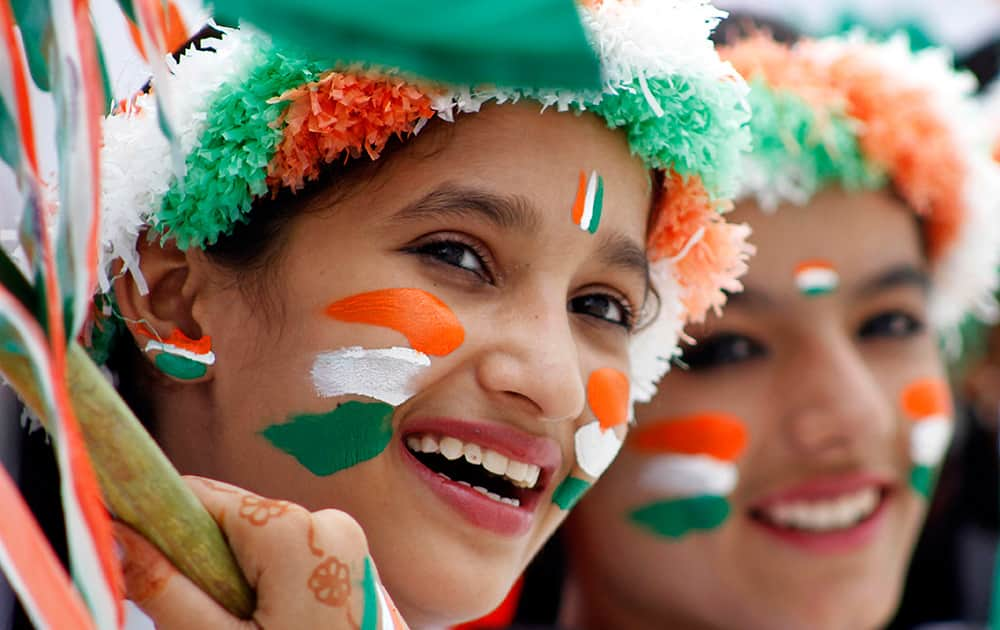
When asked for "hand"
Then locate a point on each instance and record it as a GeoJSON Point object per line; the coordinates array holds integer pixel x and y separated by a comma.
{"type": "Point", "coordinates": [309, 569]}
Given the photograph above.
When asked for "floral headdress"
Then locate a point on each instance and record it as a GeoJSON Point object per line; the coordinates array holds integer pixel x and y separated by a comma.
{"type": "Point", "coordinates": [255, 118]}
{"type": "Point", "coordinates": [866, 115]}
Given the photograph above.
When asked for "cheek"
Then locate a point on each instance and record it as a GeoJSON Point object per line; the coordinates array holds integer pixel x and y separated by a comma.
{"type": "Point", "coordinates": [689, 464]}
{"type": "Point", "coordinates": [927, 406]}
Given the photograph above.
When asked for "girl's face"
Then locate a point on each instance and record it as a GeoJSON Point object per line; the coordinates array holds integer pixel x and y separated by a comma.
{"type": "Point", "coordinates": [432, 332]}
{"type": "Point", "coordinates": [814, 387]}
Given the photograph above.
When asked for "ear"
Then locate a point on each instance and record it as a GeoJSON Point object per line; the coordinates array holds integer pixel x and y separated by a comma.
{"type": "Point", "coordinates": [162, 320]}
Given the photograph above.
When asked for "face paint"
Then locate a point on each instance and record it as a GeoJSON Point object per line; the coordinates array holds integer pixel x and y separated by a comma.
{"type": "Point", "coordinates": [589, 202]}
{"type": "Point", "coordinates": [384, 374]}
{"type": "Point", "coordinates": [607, 396]}
{"type": "Point", "coordinates": [569, 492]}
{"type": "Point", "coordinates": [352, 433]}
{"type": "Point", "coordinates": [692, 461]}
{"type": "Point", "coordinates": [596, 448]}
{"type": "Point", "coordinates": [816, 277]}
{"type": "Point", "coordinates": [927, 403]}
{"type": "Point", "coordinates": [426, 322]}
{"type": "Point", "coordinates": [180, 356]}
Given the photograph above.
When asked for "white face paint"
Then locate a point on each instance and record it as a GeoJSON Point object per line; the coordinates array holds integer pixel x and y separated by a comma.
{"type": "Point", "coordinates": [815, 280]}
{"type": "Point", "coordinates": [929, 440]}
{"type": "Point", "coordinates": [688, 475]}
{"type": "Point", "coordinates": [385, 374]}
{"type": "Point", "coordinates": [596, 449]}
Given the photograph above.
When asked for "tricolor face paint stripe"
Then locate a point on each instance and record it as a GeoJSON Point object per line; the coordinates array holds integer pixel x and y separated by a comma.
{"type": "Point", "coordinates": [384, 374]}
{"type": "Point", "coordinates": [596, 448]}
{"type": "Point", "coordinates": [426, 322]}
{"type": "Point", "coordinates": [716, 434]}
{"type": "Point", "coordinates": [608, 397]}
{"type": "Point", "coordinates": [589, 202]}
{"type": "Point", "coordinates": [816, 277]}
{"type": "Point", "coordinates": [927, 403]}
{"type": "Point", "coordinates": [180, 356]}
{"type": "Point", "coordinates": [688, 475]}
{"type": "Point", "coordinates": [352, 433]}
{"type": "Point", "coordinates": [678, 517]}
{"type": "Point", "coordinates": [569, 492]}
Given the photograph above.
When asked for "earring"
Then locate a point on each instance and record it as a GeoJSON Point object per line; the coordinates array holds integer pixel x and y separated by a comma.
{"type": "Point", "coordinates": [178, 355]}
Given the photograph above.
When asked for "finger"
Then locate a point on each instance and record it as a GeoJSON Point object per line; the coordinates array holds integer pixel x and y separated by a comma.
{"type": "Point", "coordinates": [167, 597]}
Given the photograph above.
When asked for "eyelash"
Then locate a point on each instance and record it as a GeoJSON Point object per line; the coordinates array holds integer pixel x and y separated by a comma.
{"type": "Point", "coordinates": [434, 249]}
{"type": "Point", "coordinates": [721, 349]}
{"type": "Point", "coordinates": [886, 325]}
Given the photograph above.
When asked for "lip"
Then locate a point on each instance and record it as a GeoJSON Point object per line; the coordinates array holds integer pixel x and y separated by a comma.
{"type": "Point", "coordinates": [473, 507]}
{"type": "Point", "coordinates": [843, 541]}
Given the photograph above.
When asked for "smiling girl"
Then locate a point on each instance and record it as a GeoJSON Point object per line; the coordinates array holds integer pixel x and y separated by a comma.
{"type": "Point", "coordinates": [418, 304]}
{"type": "Point", "coordinates": [779, 479]}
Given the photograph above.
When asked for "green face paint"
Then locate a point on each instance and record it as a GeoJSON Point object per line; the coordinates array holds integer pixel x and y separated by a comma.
{"type": "Point", "coordinates": [369, 617]}
{"type": "Point", "coordinates": [676, 517]}
{"type": "Point", "coordinates": [352, 433]}
{"type": "Point", "coordinates": [180, 367]}
{"type": "Point", "coordinates": [922, 480]}
{"type": "Point", "coordinates": [569, 492]}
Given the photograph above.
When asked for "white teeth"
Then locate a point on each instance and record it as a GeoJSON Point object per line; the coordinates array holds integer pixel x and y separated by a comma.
{"type": "Point", "coordinates": [514, 502]}
{"type": "Point", "coordinates": [520, 474]}
{"type": "Point", "coordinates": [837, 513]}
{"type": "Point", "coordinates": [498, 464]}
{"type": "Point", "coordinates": [428, 444]}
{"type": "Point", "coordinates": [465, 483]}
{"type": "Point", "coordinates": [450, 447]}
{"type": "Point", "coordinates": [481, 490]}
{"type": "Point", "coordinates": [473, 454]}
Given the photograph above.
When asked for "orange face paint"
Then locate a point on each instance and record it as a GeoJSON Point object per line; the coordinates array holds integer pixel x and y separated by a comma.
{"type": "Point", "coordinates": [179, 340]}
{"type": "Point", "coordinates": [719, 435]}
{"type": "Point", "coordinates": [926, 398]}
{"type": "Point", "coordinates": [426, 322]}
{"type": "Point", "coordinates": [607, 395]}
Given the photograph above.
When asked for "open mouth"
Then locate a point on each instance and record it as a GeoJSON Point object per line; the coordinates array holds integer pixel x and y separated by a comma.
{"type": "Point", "coordinates": [827, 515]}
{"type": "Point", "coordinates": [477, 467]}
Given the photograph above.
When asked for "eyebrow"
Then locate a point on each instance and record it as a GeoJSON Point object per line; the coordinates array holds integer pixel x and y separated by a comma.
{"type": "Point", "coordinates": [515, 212]}
{"type": "Point", "coordinates": [898, 276]}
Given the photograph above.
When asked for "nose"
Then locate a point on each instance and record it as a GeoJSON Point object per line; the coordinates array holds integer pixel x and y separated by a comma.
{"type": "Point", "coordinates": [533, 361]}
{"type": "Point", "coordinates": [835, 404]}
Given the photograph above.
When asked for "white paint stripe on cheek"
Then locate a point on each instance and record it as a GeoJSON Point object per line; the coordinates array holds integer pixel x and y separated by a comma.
{"type": "Point", "coordinates": [596, 449]}
{"type": "Point", "coordinates": [929, 440]}
{"type": "Point", "coordinates": [688, 475]}
{"type": "Point", "coordinates": [382, 373]}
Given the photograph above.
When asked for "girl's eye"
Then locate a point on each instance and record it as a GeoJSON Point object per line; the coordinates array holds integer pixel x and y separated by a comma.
{"type": "Point", "coordinates": [721, 349]}
{"type": "Point", "coordinates": [891, 324]}
{"type": "Point", "coordinates": [456, 254]}
{"type": "Point", "coordinates": [604, 307]}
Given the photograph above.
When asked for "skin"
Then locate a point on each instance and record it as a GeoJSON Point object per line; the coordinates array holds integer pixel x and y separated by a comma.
{"type": "Point", "coordinates": [517, 288]}
{"type": "Point", "coordinates": [819, 395]}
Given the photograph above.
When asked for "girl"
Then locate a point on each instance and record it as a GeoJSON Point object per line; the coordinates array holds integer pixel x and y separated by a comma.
{"type": "Point", "coordinates": [431, 333]}
{"type": "Point", "coordinates": [780, 478]}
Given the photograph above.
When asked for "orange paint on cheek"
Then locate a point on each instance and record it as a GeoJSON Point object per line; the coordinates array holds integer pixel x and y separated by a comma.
{"type": "Point", "coordinates": [607, 395]}
{"type": "Point", "coordinates": [426, 322]}
{"type": "Point", "coordinates": [926, 398]}
{"type": "Point", "coordinates": [717, 434]}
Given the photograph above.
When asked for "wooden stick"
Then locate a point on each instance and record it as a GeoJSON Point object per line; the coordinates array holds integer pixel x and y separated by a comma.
{"type": "Point", "coordinates": [140, 485]}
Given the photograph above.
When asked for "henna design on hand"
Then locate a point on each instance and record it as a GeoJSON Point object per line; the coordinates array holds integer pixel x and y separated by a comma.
{"type": "Point", "coordinates": [330, 582]}
{"type": "Point", "coordinates": [259, 510]}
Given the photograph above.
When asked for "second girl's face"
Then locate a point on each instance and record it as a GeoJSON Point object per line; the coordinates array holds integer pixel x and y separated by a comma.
{"type": "Point", "coordinates": [432, 336]}
{"type": "Point", "coordinates": [809, 388]}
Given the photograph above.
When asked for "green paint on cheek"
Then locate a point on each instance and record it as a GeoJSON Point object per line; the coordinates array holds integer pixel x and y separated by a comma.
{"type": "Point", "coordinates": [677, 517]}
{"type": "Point", "coordinates": [569, 492]}
{"type": "Point", "coordinates": [922, 480]}
{"type": "Point", "coordinates": [352, 433]}
{"type": "Point", "coordinates": [180, 367]}
{"type": "Point", "coordinates": [369, 617]}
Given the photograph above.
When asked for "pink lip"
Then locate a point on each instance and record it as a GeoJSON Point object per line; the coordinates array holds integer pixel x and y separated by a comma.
{"type": "Point", "coordinates": [842, 541]}
{"type": "Point", "coordinates": [479, 510]}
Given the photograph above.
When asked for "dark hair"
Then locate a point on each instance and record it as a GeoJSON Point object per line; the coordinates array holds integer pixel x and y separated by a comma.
{"type": "Point", "coordinates": [740, 25]}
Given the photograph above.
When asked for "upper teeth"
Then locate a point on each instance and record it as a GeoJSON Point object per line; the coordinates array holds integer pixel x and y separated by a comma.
{"type": "Point", "coordinates": [839, 512]}
{"type": "Point", "coordinates": [521, 474]}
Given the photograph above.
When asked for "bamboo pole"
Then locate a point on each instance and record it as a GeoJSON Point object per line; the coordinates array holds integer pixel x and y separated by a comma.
{"type": "Point", "coordinates": [140, 485]}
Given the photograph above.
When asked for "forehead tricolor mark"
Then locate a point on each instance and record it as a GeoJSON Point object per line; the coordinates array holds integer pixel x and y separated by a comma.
{"type": "Point", "coordinates": [426, 322]}
{"type": "Point", "coordinates": [816, 277]}
{"type": "Point", "coordinates": [691, 463]}
{"type": "Point", "coordinates": [589, 202]}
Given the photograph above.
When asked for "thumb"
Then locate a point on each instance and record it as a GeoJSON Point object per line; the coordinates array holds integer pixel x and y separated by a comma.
{"type": "Point", "coordinates": [170, 599]}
